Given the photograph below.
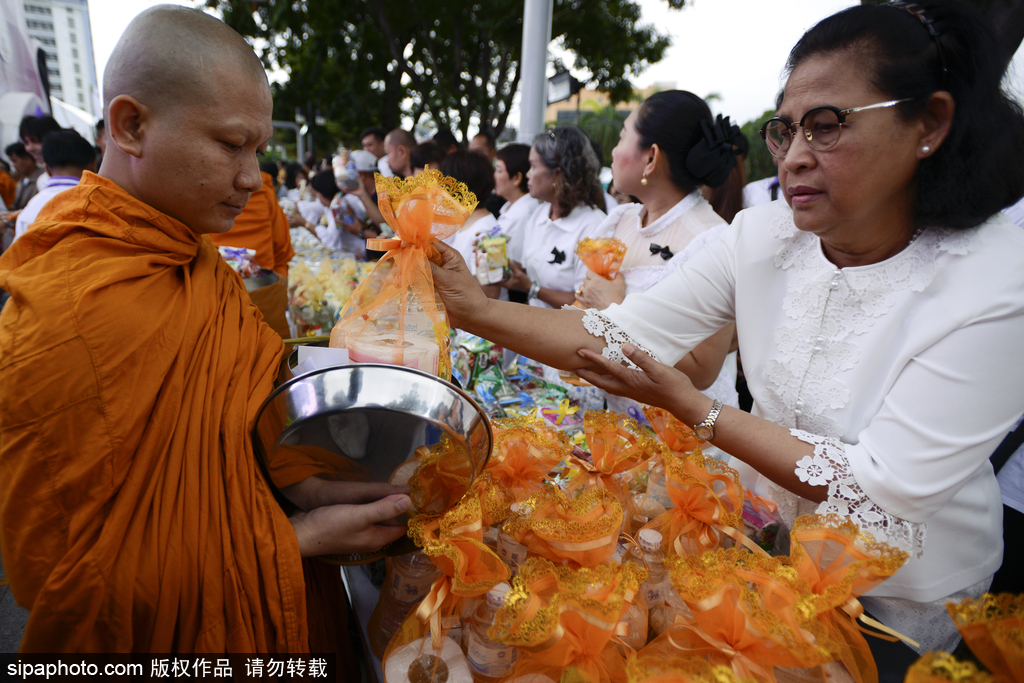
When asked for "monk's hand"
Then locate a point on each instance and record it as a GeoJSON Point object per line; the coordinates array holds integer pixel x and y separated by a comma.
{"type": "Point", "coordinates": [463, 299]}
{"type": "Point", "coordinates": [340, 529]}
{"type": "Point", "coordinates": [600, 293]}
{"type": "Point", "coordinates": [318, 491]}
{"type": "Point", "coordinates": [651, 382]}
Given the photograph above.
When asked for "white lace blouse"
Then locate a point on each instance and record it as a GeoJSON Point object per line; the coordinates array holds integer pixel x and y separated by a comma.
{"type": "Point", "coordinates": [904, 374]}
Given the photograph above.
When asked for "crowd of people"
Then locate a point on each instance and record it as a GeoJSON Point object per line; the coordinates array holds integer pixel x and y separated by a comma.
{"type": "Point", "coordinates": [872, 287]}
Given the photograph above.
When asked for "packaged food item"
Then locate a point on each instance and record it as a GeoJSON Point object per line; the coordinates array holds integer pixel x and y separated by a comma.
{"type": "Point", "coordinates": [491, 253]}
{"type": "Point", "coordinates": [407, 582]}
{"type": "Point", "coordinates": [603, 256]}
{"type": "Point", "coordinates": [243, 261]}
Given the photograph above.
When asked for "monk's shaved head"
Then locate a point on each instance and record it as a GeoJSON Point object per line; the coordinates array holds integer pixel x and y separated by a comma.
{"type": "Point", "coordinates": [167, 53]}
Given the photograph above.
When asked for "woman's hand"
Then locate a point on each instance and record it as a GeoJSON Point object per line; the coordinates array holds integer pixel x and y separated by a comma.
{"type": "Point", "coordinates": [597, 292]}
{"type": "Point", "coordinates": [463, 299]}
{"type": "Point", "coordinates": [518, 280]}
{"type": "Point", "coordinates": [654, 383]}
{"type": "Point", "coordinates": [296, 220]}
{"type": "Point", "coordinates": [334, 529]}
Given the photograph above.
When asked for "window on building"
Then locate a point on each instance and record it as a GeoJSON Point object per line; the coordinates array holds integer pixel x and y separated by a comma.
{"type": "Point", "coordinates": [74, 38]}
{"type": "Point", "coordinates": [42, 25]}
{"type": "Point", "coordinates": [53, 72]}
{"type": "Point", "coordinates": [74, 53]}
{"type": "Point", "coordinates": [78, 82]}
{"type": "Point", "coordinates": [71, 22]}
{"type": "Point", "coordinates": [78, 69]}
{"type": "Point", "coordinates": [81, 99]}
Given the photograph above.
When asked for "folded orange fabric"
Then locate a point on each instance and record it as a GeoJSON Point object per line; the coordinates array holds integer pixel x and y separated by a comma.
{"type": "Point", "coordinates": [134, 515]}
{"type": "Point", "coordinates": [263, 228]}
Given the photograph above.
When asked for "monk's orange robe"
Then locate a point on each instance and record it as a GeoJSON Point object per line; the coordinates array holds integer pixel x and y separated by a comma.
{"type": "Point", "coordinates": [133, 515]}
{"type": "Point", "coordinates": [262, 226]}
{"type": "Point", "coordinates": [8, 188]}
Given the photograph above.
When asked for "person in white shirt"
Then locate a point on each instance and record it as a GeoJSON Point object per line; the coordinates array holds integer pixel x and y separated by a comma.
{"type": "Point", "coordinates": [341, 224]}
{"type": "Point", "coordinates": [880, 316]}
{"type": "Point", "coordinates": [473, 169]}
{"type": "Point", "coordinates": [32, 131]}
{"type": "Point", "coordinates": [656, 162]}
{"type": "Point", "coordinates": [563, 176]}
{"type": "Point", "coordinates": [510, 169]}
{"type": "Point", "coordinates": [66, 155]}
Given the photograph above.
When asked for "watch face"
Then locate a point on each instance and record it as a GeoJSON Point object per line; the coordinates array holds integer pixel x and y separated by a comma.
{"type": "Point", "coordinates": [703, 432]}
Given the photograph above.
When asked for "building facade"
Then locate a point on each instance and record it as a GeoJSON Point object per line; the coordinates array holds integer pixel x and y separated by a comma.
{"type": "Point", "coordinates": [62, 28]}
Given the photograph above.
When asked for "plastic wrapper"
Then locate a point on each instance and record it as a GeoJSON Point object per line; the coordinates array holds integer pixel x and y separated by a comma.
{"type": "Point", "coordinates": [677, 436]}
{"type": "Point", "coordinates": [669, 667]}
{"type": "Point", "coordinates": [564, 620]}
{"type": "Point", "coordinates": [403, 323]}
{"type": "Point", "coordinates": [603, 256]}
{"type": "Point", "coordinates": [242, 261]}
{"type": "Point", "coordinates": [491, 253]}
{"type": "Point", "coordinates": [525, 452]}
{"type": "Point", "coordinates": [761, 520]}
{"type": "Point", "coordinates": [617, 447]}
{"type": "Point", "coordinates": [993, 627]}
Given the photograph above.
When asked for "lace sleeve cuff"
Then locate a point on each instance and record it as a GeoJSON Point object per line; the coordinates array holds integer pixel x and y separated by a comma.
{"type": "Point", "coordinates": [829, 467]}
{"type": "Point", "coordinates": [614, 337]}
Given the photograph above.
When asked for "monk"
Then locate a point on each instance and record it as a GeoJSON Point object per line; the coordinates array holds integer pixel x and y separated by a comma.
{"type": "Point", "coordinates": [262, 227]}
{"type": "Point", "coordinates": [133, 515]}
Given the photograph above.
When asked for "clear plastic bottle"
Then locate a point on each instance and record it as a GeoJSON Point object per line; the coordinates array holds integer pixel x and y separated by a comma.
{"type": "Point", "coordinates": [657, 486]}
{"type": "Point", "coordinates": [511, 551]}
{"type": "Point", "coordinates": [408, 581]}
{"type": "Point", "coordinates": [654, 587]}
{"type": "Point", "coordinates": [488, 659]}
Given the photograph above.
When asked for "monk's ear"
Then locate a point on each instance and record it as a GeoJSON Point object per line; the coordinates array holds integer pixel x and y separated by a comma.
{"type": "Point", "coordinates": [126, 119]}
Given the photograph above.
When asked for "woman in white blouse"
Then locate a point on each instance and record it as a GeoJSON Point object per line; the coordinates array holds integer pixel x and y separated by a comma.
{"type": "Point", "coordinates": [563, 176]}
{"type": "Point", "coordinates": [668, 148]}
{"type": "Point", "coordinates": [510, 169]}
{"type": "Point", "coordinates": [880, 317]}
{"type": "Point", "coordinates": [473, 169]}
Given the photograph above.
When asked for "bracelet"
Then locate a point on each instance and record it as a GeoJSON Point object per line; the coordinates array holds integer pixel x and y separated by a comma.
{"type": "Point", "coordinates": [534, 290]}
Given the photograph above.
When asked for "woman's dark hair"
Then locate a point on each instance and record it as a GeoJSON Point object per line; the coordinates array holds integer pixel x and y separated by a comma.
{"type": "Point", "coordinates": [672, 119]}
{"type": "Point", "coordinates": [473, 169]}
{"type": "Point", "coordinates": [68, 148]}
{"type": "Point", "coordinates": [516, 158]}
{"type": "Point", "coordinates": [727, 198]}
{"type": "Point", "coordinates": [324, 183]}
{"type": "Point", "coordinates": [270, 168]}
{"type": "Point", "coordinates": [290, 172]}
{"type": "Point", "coordinates": [567, 150]}
{"type": "Point", "coordinates": [977, 170]}
{"type": "Point", "coordinates": [427, 153]}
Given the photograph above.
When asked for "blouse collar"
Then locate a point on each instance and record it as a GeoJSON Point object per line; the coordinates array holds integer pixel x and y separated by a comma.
{"type": "Point", "coordinates": [682, 206]}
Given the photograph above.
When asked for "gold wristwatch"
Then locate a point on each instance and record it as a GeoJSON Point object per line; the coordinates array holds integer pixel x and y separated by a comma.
{"type": "Point", "coordinates": [705, 431]}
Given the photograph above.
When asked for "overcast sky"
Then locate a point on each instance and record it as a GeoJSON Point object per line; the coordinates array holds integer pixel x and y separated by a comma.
{"type": "Point", "coordinates": [736, 48]}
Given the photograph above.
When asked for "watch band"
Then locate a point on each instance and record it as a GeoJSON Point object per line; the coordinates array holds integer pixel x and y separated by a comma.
{"type": "Point", "coordinates": [705, 431]}
{"type": "Point", "coordinates": [534, 290]}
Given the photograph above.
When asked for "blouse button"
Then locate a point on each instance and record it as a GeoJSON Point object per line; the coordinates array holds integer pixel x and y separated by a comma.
{"type": "Point", "coordinates": [820, 340]}
{"type": "Point", "coordinates": [798, 412]}
{"type": "Point", "coordinates": [834, 284]}
{"type": "Point", "coordinates": [799, 403]}
{"type": "Point", "coordinates": [817, 349]}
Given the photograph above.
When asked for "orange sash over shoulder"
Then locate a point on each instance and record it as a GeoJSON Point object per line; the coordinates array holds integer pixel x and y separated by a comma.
{"type": "Point", "coordinates": [133, 515]}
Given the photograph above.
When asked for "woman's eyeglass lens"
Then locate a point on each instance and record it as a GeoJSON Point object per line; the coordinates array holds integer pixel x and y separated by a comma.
{"type": "Point", "coordinates": [820, 126]}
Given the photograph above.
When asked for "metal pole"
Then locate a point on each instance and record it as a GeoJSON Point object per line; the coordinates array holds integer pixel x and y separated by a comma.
{"type": "Point", "coordinates": [533, 67]}
{"type": "Point", "coordinates": [288, 125]}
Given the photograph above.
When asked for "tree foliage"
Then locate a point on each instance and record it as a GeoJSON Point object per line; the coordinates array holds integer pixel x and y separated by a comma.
{"type": "Point", "coordinates": [759, 159]}
{"type": "Point", "coordinates": [455, 63]}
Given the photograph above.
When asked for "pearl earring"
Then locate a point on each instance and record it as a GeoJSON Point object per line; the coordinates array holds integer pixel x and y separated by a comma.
{"type": "Point", "coordinates": [926, 149]}
{"type": "Point", "coordinates": [643, 181]}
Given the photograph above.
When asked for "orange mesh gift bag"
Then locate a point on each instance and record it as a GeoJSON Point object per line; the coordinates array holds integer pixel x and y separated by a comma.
{"type": "Point", "coordinates": [757, 620]}
{"type": "Point", "coordinates": [563, 621]}
{"type": "Point", "coordinates": [526, 450]}
{"type": "Point", "coordinates": [619, 447]}
{"type": "Point", "coordinates": [603, 256]}
{"type": "Point", "coordinates": [671, 668]}
{"type": "Point", "coordinates": [442, 475]}
{"type": "Point", "coordinates": [679, 438]}
{"type": "Point", "coordinates": [583, 530]}
{"type": "Point", "coordinates": [993, 627]}
{"type": "Point", "coordinates": [403, 322]}
{"type": "Point", "coordinates": [707, 503]}
{"type": "Point", "coordinates": [454, 543]}
{"type": "Point", "coordinates": [839, 562]}
{"type": "Point", "coordinates": [942, 667]}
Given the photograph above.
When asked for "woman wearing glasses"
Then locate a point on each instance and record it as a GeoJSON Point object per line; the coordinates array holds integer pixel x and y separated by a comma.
{"type": "Point", "coordinates": [880, 317]}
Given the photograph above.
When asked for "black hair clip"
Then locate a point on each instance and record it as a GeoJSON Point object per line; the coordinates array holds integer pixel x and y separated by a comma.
{"type": "Point", "coordinates": [712, 159]}
{"type": "Point", "coordinates": [665, 252]}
